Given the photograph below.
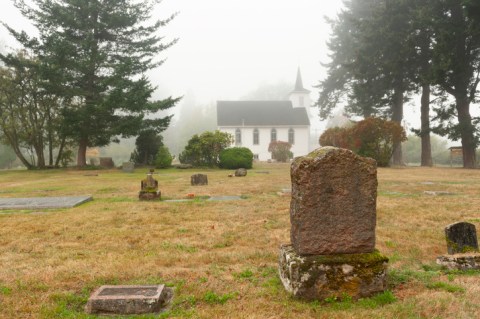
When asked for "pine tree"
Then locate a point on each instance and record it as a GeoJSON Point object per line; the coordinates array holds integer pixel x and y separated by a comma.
{"type": "Point", "coordinates": [96, 53]}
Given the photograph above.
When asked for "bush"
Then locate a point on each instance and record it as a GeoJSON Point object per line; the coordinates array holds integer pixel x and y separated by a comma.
{"type": "Point", "coordinates": [236, 157]}
{"type": "Point", "coordinates": [204, 150]}
{"type": "Point", "coordinates": [147, 145]}
{"type": "Point", "coordinates": [280, 151]}
{"type": "Point", "coordinates": [163, 158]}
{"type": "Point", "coordinates": [371, 137]}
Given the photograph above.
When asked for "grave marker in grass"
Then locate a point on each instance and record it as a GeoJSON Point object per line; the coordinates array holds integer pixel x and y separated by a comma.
{"type": "Point", "coordinates": [333, 219]}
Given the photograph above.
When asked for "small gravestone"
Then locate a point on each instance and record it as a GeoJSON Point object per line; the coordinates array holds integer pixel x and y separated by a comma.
{"type": "Point", "coordinates": [461, 238]}
{"type": "Point", "coordinates": [462, 247]}
{"type": "Point", "coordinates": [333, 219]}
{"type": "Point", "coordinates": [149, 188]}
{"type": "Point", "coordinates": [241, 172]}
{"type": "Point", "coordinates": [106, 162]}
{"type": "Point", "coordinates": [128, 167]}
{"type": "Point", "coordinates": [128, 300]}
{"type": "Point", "coordinates": [199, 179]}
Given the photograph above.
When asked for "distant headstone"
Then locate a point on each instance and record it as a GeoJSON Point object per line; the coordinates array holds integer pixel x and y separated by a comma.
{"type": "Point", "coordinates": [333, 207]}
{"type": "Point", "coordinates": [149, 188]}
{"type": "Point", "coordinates": [461, 238]}
{"type": "Point", "coordinates": [241, 172]}
{"type": "Point", "coordinates": [183, 166]}
{"type": "Point", "coordinates": [199, 179]}
{"type": "Point", "coordinates": [93, 161]}
{"type": "Point", "coordinates": [128, 300]}
{"type": "Point", "coordinates": [106, 162]}
{"type": "Point", "coordinates": [128, 167]}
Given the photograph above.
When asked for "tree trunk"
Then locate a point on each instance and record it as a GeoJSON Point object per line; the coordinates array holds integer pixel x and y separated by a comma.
{"type": "Point", "coordinates": [82, 152]}
{"type": "Point", "coordinates": [425, 127]}
{"type": "Point", "coordinates": [397, 116]}
{"type": "Point", "coordinates": [466, 132]}
{"type": "Point", "coordinates": [60, 151]}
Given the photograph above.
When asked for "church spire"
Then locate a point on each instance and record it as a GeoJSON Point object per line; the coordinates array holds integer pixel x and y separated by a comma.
{"type": "Point", "coordinates": [299, 82]}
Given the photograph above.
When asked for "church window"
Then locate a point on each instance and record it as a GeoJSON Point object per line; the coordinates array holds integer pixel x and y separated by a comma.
{"type": "Point", "coordinates": [273, 135]}
{"type": "Point", "coordinates": [291, 136]}
{"type": "Point", "coordinates": [256, 139]}
{"type": "Point", "coordinates": [301, 101]}
{"type": "Point", "coordinates": [238, 137]}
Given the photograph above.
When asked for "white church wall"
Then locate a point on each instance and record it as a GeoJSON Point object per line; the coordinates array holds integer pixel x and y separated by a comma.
{"type": "Point", "coordinates": [260, 150]}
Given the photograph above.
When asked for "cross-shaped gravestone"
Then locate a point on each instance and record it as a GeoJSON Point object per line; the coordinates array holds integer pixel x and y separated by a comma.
{"type": "Point", "coordinates": [461, 238]}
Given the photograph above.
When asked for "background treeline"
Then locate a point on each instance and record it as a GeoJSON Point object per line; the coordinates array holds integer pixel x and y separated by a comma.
{"type": "Point", "coordinates": [385, 51]}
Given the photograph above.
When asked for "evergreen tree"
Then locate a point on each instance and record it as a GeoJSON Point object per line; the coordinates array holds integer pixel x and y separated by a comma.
{"type": "Point", "coordinates": [456, 67]}
{"type": "Point", "coordinates": [96, 53]}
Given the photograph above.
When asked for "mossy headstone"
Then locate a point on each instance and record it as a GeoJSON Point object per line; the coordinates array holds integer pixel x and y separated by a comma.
{"type": "Point", "coordinates": [149, 188]}
{"type": "Point", "coordinates": [461, 238]}
{"type": "Point", "coordinates": [333, 219]}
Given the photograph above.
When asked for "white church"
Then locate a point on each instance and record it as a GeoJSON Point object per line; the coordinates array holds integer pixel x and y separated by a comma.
{"type": "Point", "coordinates": [254, 124]}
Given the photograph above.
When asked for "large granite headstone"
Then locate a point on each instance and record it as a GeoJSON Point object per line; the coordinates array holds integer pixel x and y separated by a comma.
{"type": "Point", "coordinates": [333, 207]}
{"type": "Point", "coordinates": [461, 238]}
{"type": "Point", "coordinates": [333, 218]}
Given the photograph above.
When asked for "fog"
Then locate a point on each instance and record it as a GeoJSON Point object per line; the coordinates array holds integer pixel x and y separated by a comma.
{"type": "Point", "coordinates": [229, 50]}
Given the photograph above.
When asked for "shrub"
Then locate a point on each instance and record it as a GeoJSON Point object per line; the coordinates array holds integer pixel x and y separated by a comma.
{"type": "Point", "coordinates": [236, 157]}
{"type": "Point", "coordinates": [204, 150]}
{"type": "Point", "coordinates": [280, 151]}
{"type": "Point", "coordinates": [163, 158]}
{"type": "Point", "coordinates": [147, 146]}
{"type": "Point", "coordinates": [371, 137]}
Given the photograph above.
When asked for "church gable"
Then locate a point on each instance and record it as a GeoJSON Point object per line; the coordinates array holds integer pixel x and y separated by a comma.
{"type": "Point", "coordinates": [260, 113]}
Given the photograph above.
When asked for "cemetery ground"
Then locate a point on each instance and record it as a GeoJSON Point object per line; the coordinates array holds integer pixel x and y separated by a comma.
{"type": "Point", "coordinates": [221, 257]}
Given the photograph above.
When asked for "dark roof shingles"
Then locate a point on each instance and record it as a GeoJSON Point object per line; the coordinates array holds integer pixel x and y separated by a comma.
{"type": "Point", "coordinates": [260, 113]}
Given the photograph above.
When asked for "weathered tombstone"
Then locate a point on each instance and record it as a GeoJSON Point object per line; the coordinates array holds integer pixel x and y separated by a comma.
{"type": "Point", "coordinates": [128, 167]}
{"type": "Point", "coordinates": [149, 188]}
{"type": "Point", "coordinates": [461, 238]}
{"type": "Point", "coordinates": [199, 179]}
{"type": "Point", "coordinates": [128, 300]}
{"type": "Point", "coordinates": [241, 172]}
{"type": "Point", "coordinates": [333, 219]}
{"type": "Point", "coordinates": [462, 247]}
{"type": "Point", "coordinates": [106, 162]}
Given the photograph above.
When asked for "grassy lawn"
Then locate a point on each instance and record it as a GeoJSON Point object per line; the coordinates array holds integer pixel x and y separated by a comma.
{"type": "Point", "coordinates": [221, 257]}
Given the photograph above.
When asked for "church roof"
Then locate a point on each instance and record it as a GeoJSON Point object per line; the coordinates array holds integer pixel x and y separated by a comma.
{"type": "Point", "coordinates": [260, 113]}
{"type": "Point", "coordinates": [299, 84]}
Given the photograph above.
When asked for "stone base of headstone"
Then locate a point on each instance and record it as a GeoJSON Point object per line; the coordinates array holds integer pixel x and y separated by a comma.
{"type": "Point", "coordinates": [460, 261]}
{"type": "Point", "coordinates": [198, 179]}
{"type": "Point", "coordinates": [129, 300]}
{"type": "Point", "coordinates": [145, 195]}
{"type": "Point", "coordinates": [317, 277]}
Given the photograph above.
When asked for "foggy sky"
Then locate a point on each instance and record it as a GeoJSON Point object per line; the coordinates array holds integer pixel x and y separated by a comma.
{"type": "Point", "coordinates": [229, 48]}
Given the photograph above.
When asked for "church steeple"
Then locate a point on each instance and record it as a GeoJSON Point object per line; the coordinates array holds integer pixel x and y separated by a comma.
{"type": "Point", "coordinates": [299, 83]}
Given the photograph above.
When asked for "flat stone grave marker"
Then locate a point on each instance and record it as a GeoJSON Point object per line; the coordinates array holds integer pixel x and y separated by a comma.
{"type": "Point", "coordinates": [461, 238]}
{"type": "Point", "coordinates": [128, 300]}
{"type": "Point", "coordinates": [43, 202]}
